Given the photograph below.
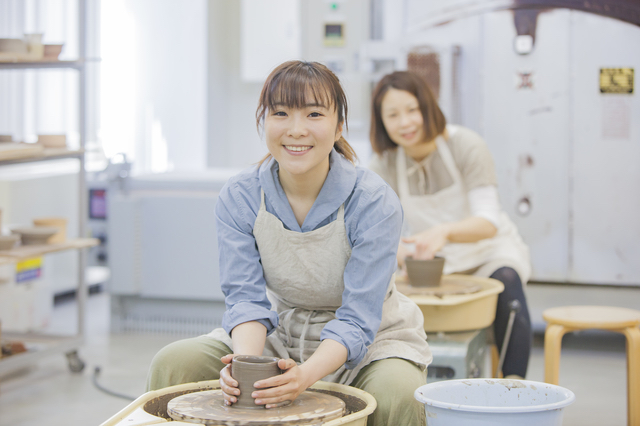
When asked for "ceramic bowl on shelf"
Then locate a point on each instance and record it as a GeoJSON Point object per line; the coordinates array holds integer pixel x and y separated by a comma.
{"type": "Point", "coordinates": [7, 242]}
{"type": "Point", "coordinates": [53, 141]}
{"type": "Point", "coordinates": [35, 235]}
{"type": "Point", "coordinates": [424, 273]}
{"type": "Point", "coordinates": [52, 51]}
{"type": "Point", "coordinates": [13, 45]}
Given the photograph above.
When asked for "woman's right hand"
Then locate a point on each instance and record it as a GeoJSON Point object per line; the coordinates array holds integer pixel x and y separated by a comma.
{"type": "Point", "coordinates": [429, 242]}
{"type": "Point", "coordinates": [228, 384]}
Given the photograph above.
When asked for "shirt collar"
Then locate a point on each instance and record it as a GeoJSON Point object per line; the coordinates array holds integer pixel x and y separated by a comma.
{"type": "Point", "coordinates": [336, 189]}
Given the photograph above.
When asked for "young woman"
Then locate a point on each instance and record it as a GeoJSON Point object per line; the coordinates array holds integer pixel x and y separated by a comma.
{"type": "Point", "coordinates": [307, 246]}
{"type": "Point", "coordinates": [446, 181]}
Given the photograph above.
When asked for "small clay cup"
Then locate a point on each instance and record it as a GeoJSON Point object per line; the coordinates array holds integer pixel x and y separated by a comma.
{"type": "Point", "coordinates": [248, 369]}
{"type": "Point", "coordinates": [424, 273]}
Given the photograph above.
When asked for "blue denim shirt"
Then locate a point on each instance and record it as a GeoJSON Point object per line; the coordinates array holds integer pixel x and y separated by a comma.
{"type": "Point", "coordinates": [373, 220]}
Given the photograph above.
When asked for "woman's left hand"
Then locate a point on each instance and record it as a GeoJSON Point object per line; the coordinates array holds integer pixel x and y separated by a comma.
{"type": "Point", "coordinates": [429, 242]}
{"type": "Point", "coordinates": [283, 388]}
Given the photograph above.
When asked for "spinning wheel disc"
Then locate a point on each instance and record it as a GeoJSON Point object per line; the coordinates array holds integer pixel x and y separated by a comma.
{"type": "Point", "coordinates": [208, 408]}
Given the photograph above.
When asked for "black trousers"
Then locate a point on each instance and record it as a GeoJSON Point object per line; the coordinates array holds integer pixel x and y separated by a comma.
{"type": "Point", "coordinates": [517, 357]}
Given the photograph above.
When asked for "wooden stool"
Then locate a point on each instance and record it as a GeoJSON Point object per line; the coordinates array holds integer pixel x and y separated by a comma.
{"type": "Point", "coordinates": [566, 319]}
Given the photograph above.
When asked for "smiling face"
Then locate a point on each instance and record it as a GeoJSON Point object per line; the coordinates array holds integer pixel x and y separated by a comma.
{"type": "Point", "coordinates": [402, 118]}
{"type": "Point", "coordinates": [300, 139]}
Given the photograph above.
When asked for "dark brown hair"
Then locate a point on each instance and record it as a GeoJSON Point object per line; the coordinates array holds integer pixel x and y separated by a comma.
{"type": "Point", "coordinates": [291, 82]}
{"type": "Point", "coordinates": [434, 121]}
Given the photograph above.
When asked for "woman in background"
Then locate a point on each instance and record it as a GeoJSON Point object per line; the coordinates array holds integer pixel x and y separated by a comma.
{"type": "Point", "coordinates": [307, 245]}
{"type": "Point", "coordinates": [445, 178]}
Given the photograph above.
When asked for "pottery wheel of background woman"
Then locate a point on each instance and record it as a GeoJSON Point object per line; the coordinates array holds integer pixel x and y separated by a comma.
{"type": "Point", "coordinates": [446, 181]}
{"type": "Point", "coordinates": [307, 245]}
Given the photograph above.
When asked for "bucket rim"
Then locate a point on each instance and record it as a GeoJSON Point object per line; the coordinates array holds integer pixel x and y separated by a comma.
{"type": "Point", "coordinates": [569, 398]}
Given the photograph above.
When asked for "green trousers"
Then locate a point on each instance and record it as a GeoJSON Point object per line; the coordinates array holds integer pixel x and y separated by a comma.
{"type": "Point", "coordinates": [391, 381]}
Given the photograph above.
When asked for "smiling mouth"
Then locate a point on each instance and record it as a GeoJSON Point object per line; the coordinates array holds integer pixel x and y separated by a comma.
{"type": "Point", "coordinates": [297, 148]}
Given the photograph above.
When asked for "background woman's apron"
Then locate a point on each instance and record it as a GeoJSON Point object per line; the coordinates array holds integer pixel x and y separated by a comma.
{"type": "Point", "coordinates": [305, 282]}
{"type": "Point", "coordinates": [451, 204]}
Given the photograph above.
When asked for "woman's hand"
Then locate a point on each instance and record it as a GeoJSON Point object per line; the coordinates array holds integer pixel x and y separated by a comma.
{"type": "Point", "coordinates": [284, 388]}
{"type": "Point", "coordinates": [429, 242]}
{"type": "Point", "coordinates": [228, 384]}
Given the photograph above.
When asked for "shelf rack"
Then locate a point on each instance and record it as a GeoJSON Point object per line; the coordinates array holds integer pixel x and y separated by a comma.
{"type": "Point", "coordinates": [51, 344]}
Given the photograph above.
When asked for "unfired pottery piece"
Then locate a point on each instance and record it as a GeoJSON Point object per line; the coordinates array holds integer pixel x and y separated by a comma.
{"type": "Point", "coordinates": [247, 370]}
{"type": "Point", "coordinates": [207, 407]}
{"type": "Point", "coordinates": [53, 222]}
{"type": "Point", "coordinates": [36, 235]}
{"type": "Point", "coordinates": [7, 242]}
{"type": "Point", "coordinates": [424, 273]}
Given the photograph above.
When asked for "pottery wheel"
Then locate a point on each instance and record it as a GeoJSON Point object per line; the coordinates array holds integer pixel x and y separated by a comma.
{"type": "Point", "coordinates": [448, 286]}
{"type": "Point", "coordinates": [207, 407]}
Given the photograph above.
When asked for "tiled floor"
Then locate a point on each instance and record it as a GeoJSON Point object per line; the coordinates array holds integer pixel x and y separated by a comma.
{"type": "Point", "coordinates": [593, 366]}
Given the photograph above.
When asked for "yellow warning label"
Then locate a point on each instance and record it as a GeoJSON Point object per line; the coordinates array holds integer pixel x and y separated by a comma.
{"type": "Point", "coordinates": [616, 80]}
{"type": "Point", "coordinates": [33, 263]}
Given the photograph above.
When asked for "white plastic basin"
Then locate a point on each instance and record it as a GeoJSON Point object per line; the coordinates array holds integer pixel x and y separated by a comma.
{"type": "Point", "coordinates": [494, 402]}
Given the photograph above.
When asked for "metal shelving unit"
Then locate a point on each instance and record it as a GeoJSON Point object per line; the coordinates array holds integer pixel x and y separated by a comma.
{"type": "Point", "coordinates": [50, 344]}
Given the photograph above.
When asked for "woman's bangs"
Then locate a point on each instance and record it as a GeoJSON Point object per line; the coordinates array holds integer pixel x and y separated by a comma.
{"type": "Point", "coordinates": [297, 90]}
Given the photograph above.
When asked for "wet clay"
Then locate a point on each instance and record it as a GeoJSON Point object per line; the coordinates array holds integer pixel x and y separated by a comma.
{"type": "Point", "coordinates": [247, 370]}
{"type": "Point", "coordinates": [309, 408]}
{"type": "Point", "coordinates": [449, 285]}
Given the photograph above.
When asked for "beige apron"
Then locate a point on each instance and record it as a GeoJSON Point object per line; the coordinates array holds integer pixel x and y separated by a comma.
{"type": "Point", "coordinates": [451, 204]}
{"type": "Point", "coordinates": [305, 282]}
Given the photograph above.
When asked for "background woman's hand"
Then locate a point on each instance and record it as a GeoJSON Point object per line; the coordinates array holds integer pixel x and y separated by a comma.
{"type": "Point", "coordinates": [429, 242]}
{"type": "Point", "coordinates": [283, 388]}
{"type": "Point", "coordinates": [228, 384]}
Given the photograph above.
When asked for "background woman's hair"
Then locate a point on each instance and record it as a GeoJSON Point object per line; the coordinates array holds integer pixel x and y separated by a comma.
{"type": "Point", "coordinates": [291, 82]}
{"type": "Point", "coordinates": [434, 121]}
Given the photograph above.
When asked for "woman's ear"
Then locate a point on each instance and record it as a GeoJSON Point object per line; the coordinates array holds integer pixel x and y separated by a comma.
{"type": "Point", "coordinates": [338, 132]}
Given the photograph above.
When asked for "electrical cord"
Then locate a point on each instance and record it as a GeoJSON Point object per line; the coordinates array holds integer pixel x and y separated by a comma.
{"type": "Point", "coordinates": [96, 373]}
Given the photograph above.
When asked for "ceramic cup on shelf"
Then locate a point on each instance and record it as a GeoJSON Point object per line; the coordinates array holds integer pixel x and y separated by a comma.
{"type": "Point", "coordinates": [53, 222]}
{"type": "Point", "coordinates": [248, 369]}
{"type": "Point", "coordinates": [34, 45]}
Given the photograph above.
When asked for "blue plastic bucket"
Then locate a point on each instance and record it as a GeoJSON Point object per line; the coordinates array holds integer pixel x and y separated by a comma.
{"type": "Point", "coordinates": [493, 402]}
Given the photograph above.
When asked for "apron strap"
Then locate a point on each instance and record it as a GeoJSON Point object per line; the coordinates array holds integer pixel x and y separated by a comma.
{"type": "Point", "coordinates": [401, 170]}
{"type": "Point", "coordinates": [263, 206]}
{"type": "Point", "coordinates": [447, 159]}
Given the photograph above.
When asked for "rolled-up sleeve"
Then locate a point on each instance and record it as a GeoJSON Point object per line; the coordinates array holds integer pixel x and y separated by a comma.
{"type": "Point", "coordinates": [241, 274]}
{"type": "Point", "coordinates": [374, 227]}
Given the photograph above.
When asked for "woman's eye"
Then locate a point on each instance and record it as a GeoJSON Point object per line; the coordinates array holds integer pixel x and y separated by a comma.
{"type": "Point", "coordinates": [315, 114]}
{"type": "Point", "coordinates": [280, 113]}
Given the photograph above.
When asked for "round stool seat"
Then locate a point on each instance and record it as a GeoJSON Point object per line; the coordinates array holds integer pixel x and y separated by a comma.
{"type": "Point", "coordinates": [599, 317]}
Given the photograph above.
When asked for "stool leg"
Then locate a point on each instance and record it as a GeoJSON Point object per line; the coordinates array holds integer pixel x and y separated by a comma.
{"type": "Point", "coordinates": [552, 344]}
{"type": "Point", "coordinates": [633, 374]}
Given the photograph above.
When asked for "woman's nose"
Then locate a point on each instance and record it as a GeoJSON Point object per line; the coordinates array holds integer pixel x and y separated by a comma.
{"type": "Point", "coordinates": [297, 128]}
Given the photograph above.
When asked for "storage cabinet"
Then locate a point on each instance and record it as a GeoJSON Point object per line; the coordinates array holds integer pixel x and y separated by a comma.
{"type": "Point", "coordinates": [41, 344]}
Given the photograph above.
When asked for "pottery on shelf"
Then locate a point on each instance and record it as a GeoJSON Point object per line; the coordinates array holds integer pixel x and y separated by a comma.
{"type": "Point", "coordinates": [424, 273]}
{"type": "Point", "coordinates": [7, 242]}
{"type": "Point", "coordinates": [35, 235]}
{"type": "Point", "coordinates": [53, 141]}
{"type": "Point", "coordinates": [53, 222]}
{"type": "Point", "coordinates": [52, 51]}
{"type": "Point", "coordinates": [248, 369]}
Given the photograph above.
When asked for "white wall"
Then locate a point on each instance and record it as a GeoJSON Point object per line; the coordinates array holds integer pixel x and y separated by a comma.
{"type": "Point", "coordinates": [154, 83]}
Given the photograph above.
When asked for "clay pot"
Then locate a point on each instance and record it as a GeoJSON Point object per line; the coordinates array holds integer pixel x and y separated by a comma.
{"type": "Point", "coordinates": [248, 369]}
{"type": "Point", "coordinates": [7, 242]}
{"type": "Point", "coordinates": [53, 141]}
{"type": "Point", "coordinates": [53, 222]}
{"type": "Point", "coordinates": [424, 273]}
